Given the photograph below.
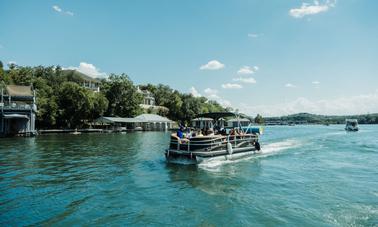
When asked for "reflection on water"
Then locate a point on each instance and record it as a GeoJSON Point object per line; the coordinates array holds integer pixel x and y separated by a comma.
{"type": "Point", "coordinates": [305, 176]}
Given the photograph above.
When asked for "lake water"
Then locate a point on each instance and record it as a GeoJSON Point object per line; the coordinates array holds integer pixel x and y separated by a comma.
{"type": "Point", "coordinates": [305, 176]}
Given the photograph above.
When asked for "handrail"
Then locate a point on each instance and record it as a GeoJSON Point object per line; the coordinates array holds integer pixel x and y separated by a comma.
{"type": "Point", "coordinates": [216, 141]}
{"type": "Point", "coordinates": [235, 137]}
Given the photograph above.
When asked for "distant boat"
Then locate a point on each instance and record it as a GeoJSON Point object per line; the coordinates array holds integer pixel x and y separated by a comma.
{"type": "Point", "coordinates": [351, 125]}
{"type": "Point", "coordinates": [138, 128]}
{"type": "Point", "coordinates": [76, 132]}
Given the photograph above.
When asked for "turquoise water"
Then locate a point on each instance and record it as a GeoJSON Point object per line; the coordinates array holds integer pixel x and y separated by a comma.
{"type": "Point", "coordinates": [306, 176]}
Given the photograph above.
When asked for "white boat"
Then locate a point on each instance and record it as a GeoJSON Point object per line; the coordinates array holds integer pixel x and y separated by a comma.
{"type": "Point", "coordinates": [218, 143]}
{"type": "Point", "coordinates": [351, 125]}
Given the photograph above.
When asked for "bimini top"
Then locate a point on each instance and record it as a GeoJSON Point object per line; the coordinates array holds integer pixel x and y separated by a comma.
{"type": "Point", "coordinates": [217, 115]}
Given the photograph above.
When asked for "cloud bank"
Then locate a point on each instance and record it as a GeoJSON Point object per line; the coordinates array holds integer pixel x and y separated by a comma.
{"type": "Point", "coordinates": [359, 104]}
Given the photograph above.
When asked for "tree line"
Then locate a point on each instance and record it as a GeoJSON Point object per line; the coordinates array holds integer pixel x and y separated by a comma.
{"type": "Point", "coordinates": [63, 102]}
{"type": "Point", "coordinates": [324, 119]}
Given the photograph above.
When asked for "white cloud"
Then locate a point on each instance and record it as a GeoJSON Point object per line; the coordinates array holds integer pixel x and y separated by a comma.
{"type": "Point", "coordinates": [12, 62]}
{"type": "Point", "coordinates": [88, 69]}
{"type": "Point", "coordinates": [59, 10]}
{"type": "Point", "coordinates": [360, 104]}
{"type": "Point", "coordinates": [231, 86]}
{"type": "Point", "coordinates": [247, 80]}
{"type": "Point", "coordinates": [290, 85]}
{"type": "Point", "coordinates": [212, 65]}
{"type": "Point", "coordinates": [308, 9]}
{"type": "Point", "coordinates": [211, 93]}
{"type": "Point", "coordinates": [247, 70]}
{"type": "Point", "coordinates": [315, 82]}
{"type": "Point", "coordinates": [194, 92]}
{"type": "Point", "coordinates": [224, 102]}
{"type": "Point", "coordinates": [69, 13]}
{"type": "Point", "coordinates": [255, 35]}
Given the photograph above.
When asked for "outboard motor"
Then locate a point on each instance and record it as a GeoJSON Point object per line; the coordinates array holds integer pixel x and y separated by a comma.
{"type": "Point", "coordinates": [257, 146]}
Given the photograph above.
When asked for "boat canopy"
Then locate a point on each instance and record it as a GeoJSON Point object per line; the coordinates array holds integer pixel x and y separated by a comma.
{"type": "Point", "coordinates": [217, 115]}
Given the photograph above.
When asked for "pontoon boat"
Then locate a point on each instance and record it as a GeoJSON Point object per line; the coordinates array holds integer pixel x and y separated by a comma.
{"type": "Point", "coordinates": [214, 140]}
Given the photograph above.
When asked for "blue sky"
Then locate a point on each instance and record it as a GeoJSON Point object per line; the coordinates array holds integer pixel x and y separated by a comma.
{"type": "Point", "coordinates": [270, 57]}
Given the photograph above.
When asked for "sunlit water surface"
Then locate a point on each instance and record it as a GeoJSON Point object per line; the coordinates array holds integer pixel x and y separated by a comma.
{"type": "Point", "coordinates": [305, 176]}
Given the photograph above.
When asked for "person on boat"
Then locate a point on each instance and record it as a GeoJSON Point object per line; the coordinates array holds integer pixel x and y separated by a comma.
{"type": "Point", "coordinates": [188, 134]}
{"type": "Point", "coordinates": [180, 133]}
{"type": "Point", "coordinates": [199, 133]}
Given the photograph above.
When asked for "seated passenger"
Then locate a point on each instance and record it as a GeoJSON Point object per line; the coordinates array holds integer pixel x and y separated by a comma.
{"type": "Point", "coordinates": [180, 133]}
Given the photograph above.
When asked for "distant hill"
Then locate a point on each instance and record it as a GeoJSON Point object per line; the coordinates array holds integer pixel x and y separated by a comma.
{"type": "Point", "coordinates": [324, 119]}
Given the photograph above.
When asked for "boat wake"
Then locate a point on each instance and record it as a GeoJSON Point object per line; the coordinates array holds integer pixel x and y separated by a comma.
{"type": "Point", "coordinates": [266, 150]}
{"type": "Point", "coordinates": [280, 146]}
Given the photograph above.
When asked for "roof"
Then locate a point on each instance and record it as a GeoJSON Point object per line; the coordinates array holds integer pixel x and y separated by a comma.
{"type": "Point", "coordinates": [16, 90]}
{"type": "Point", "coordinates": [116, 120]}
{"type": "Point", "coordinates": [152, 118]}
{"type": "Point", "coordinates": [10, 116]}
{"type": "Point", "coordinates": [240, 120]}
{"type": "Point", "coordinates": [217, 115]}
{"type": "Point", "coordinates": [202, 119]}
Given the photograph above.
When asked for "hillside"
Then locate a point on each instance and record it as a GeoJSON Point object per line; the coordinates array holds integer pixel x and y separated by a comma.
{"type": "Point", "coordinates": [324, 119]}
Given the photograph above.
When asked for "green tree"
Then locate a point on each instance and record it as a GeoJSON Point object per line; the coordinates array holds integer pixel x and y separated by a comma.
{"type": "Point", "coordinates": [1, 70]}
{"type": "Point", "coordinates": [259, 119]}
{"type": "Point", "coordinates": [124, 100]}
{"type": "Point", "coordinates": [100, 105]}
{"type": "Point", "coordinates": [21, 75]}
{"type": "Point", "coordinates": [74, 104]}
{"type": "Point", "coordinates": [46, 103]}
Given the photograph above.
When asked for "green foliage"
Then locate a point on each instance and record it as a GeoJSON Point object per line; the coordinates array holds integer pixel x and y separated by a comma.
{"type": "Point", "coordinates": [182, 107]}
{"type": "Point", "coordinates": [1, 70]}
{"type": "Point", "coordinates": [63, 102]}
{"type": "Point", "coordinates": [259, 119]}
{"type": "Point", "coordinates": [74, 104]}
{"type": "Point", "coordinates": [123, 99]}
{"type": "Point", "coordinates": [47, 105]}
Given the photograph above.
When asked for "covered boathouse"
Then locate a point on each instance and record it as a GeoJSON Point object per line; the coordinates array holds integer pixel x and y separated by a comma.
{"type": "Point", "coordinates": [145, 122]}
{"type": "Point", "coordinates": [18, 111]}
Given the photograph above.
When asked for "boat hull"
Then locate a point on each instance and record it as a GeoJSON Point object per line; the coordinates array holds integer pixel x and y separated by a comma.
{"type": "Point", "coordinates": [197, 157]}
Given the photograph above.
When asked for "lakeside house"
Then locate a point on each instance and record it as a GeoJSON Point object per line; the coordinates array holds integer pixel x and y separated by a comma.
{"type": "Point", "coordinates": [148, 104]}
{"type": "Point", "coordinates": [84, 80]}
{"type": "Point", "coordinates": [145, 122]}
{"type": "Point", "coordinates": [18, 111]}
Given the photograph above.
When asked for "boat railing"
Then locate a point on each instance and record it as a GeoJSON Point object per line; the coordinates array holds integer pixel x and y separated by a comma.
{"type": "Point", "coordinates": [211, 142]}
